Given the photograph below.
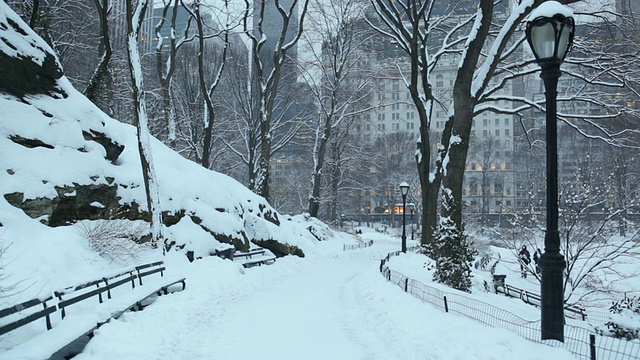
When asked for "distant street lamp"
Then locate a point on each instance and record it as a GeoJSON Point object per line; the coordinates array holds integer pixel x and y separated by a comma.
{"type": "Point", "coordinates": [550, 35]}
{"type": "Point", "coordinates": [404, 190]}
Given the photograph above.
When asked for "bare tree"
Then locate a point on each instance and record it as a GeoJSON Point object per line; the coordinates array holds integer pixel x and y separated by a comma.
{"type": "Point", "coordinates": [135, 17]}
{"type": "Point", "coordinates": [208, 89]}
{"type": "Point", "coordinates": [239, 105]}
{"type": "Point", "coordinates": [101, 77]}
{"type": "Point", "coordinates": [267, 78]}
{"type": "Point", "coordinates": [339, 85]}
{"type": "Point", "coordinates": [166, 67]}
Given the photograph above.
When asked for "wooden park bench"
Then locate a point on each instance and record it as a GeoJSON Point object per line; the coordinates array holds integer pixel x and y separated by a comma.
{"type": "Point", "coordinates": [100, 304]}
{"type": "Point", "coordinates": [253, 257]}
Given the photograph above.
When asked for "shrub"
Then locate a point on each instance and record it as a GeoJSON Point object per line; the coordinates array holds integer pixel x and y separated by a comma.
{"type": "Point", "coordinates": [114, 239]}
{"type": "Point", "coordinates": [625, 321]}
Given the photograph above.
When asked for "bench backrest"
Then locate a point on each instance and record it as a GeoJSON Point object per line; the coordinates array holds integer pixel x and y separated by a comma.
{"type": "Point", "coordinates": [45, 312]}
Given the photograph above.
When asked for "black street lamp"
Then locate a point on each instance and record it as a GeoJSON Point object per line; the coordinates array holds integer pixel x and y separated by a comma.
{"type": "Point", "coordinates": [404, 190]}
{"type": "Point", "coordinates": [550, 35]}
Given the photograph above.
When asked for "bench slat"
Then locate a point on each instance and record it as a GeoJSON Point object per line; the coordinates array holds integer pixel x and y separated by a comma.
{"type": "Point", "coordinates": [27, 319]}
{"type": "Point", "coordinates": [120, 282]}
{"type": "Point", "coordinates": [140, 267]}
{"type": "Point", "coordinates": [73, 300]}
{"type": "Point", "coordinates": [16, 308]}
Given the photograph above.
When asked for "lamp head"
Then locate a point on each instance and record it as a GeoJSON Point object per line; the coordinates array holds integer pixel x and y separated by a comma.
{"type": "Point", "coordinates": [550, 37]}
{"type": "Point", "coordinates": [404, 188]}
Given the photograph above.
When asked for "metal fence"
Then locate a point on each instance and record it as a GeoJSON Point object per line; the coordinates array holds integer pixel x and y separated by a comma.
{"type": "Point", "coordinates": [357, 246]}
{"type": "Point", "coordinates": [580, 341]}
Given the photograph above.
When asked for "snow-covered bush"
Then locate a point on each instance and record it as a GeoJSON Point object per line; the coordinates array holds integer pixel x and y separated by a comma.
{"type": "Point", "coordinates": [454, 255]}
{"type": "Point", "coordinates": [114, 239]}
{"type": "Point", "coordinates": [625, 319]}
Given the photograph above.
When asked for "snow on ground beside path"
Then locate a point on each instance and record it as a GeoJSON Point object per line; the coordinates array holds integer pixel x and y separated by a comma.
{"type": "Point", "coordinates": [334, 305]}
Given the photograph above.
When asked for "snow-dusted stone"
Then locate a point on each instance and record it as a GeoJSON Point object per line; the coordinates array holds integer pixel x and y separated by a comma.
{"type": "Point", "coordinates": [27, 64]}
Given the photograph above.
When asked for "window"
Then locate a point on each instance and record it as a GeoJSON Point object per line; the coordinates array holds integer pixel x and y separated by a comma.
{"type": "Point", "coordinates": [485, 133]}
{"type": "Point", "coordinates": [367, 127]}
{"type": "Point", "coordinates": [473, 188]}
{"type": "Point", "coordinates": [411, 115]}
{"type": "Point", "coordinates": [506, 121]}
{"type": "Point", "coordinates": [439, 80]}
{"type": "Point", "coordinates": [507, 143]}
{"type": "Point", "coordinates": [381, 96]}
{"type": "Point", "coordinates": [506, 132]}
{"type": "Point", "coordinates": [395, 85]}
{"type": "Point", "coordinates": [496, 122]}
{"type": "Point", "coordinates": [485, 122]}
{"type": "Point", "coordinates": [497, 132]}
{"type": "Point", "coordinates": [395, 106]}
{"type": "Point", "coordinates": [473, 166]}
{"type": "Point", "coordinates": [409, 126]}
{"type": "Point", "coordinates": [395, 96]}
{"type": "Point", "coordinates": [381, 117]}
{"type": "Point", "coordinates": [395, 116]}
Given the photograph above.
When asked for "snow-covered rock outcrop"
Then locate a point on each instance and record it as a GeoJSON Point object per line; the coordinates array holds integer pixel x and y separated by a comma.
{"type": "Point", "coordinates": [64, 160]}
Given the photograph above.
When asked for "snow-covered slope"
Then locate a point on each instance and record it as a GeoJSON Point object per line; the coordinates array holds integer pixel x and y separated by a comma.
{"type": "Point", "coordinates": [63, 160]}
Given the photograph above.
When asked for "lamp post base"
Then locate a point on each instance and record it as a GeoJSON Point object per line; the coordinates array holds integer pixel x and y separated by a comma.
{"type": "Point", "coordinates": [552, 267]}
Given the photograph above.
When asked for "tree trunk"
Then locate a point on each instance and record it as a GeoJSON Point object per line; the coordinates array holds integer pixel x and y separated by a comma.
{"type": "Point", "coordinates": [134, 21]}
{"type": "Point", "coordinates": [462, 120]}
{"type": "Point", "coordinates": [101, 76]}
{"type": "Point", "coordinates": [316, 176]}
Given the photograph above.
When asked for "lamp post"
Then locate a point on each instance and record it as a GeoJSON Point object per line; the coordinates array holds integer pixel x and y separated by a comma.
{"type": "Point", "coordinates": [550, 35]}
{"type": "Point", "coordinates": [404, 190]}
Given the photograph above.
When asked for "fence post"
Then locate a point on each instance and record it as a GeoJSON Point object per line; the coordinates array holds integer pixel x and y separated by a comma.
{"type": "Point", "coordinates": [381, 264]}
{"type": "Point", "coordinates": [446, 306]}
{"type": "Point", "coordinates": [592, 346]}
{"type": "Point", "coordinates": [406, 284]}
{"type": "Point", "coordinates": [389, 275]}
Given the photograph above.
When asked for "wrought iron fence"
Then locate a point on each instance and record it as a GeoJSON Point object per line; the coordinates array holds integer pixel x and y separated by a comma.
{"type": "Point", "coordinates": [580, 341]}
{"type": "Point", "coordinates": [357, 246]}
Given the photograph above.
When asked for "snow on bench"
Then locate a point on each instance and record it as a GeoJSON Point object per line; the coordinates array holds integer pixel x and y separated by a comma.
{"type": "Point", "coordinates": [253, 257]}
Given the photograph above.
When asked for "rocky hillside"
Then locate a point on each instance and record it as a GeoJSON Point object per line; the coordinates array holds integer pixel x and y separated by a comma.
{"type": "Point", "coordinates": [63, 160]}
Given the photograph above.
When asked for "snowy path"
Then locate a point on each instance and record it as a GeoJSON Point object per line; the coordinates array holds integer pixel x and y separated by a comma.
{"type": "Point", "coordinates": [326, 307]}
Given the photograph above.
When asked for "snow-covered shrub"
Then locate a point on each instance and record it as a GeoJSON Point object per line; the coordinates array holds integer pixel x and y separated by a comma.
{"type": "Point", "coordinates": [114, 239]}
{"type": "Point", "coordinates": [454, 256]}
{"type": "Point", "coordinates": [625, 319]}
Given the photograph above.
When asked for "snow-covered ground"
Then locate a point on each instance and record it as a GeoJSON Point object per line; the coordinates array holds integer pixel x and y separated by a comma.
{"type": "Point", "coordinates": [333, 305]}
